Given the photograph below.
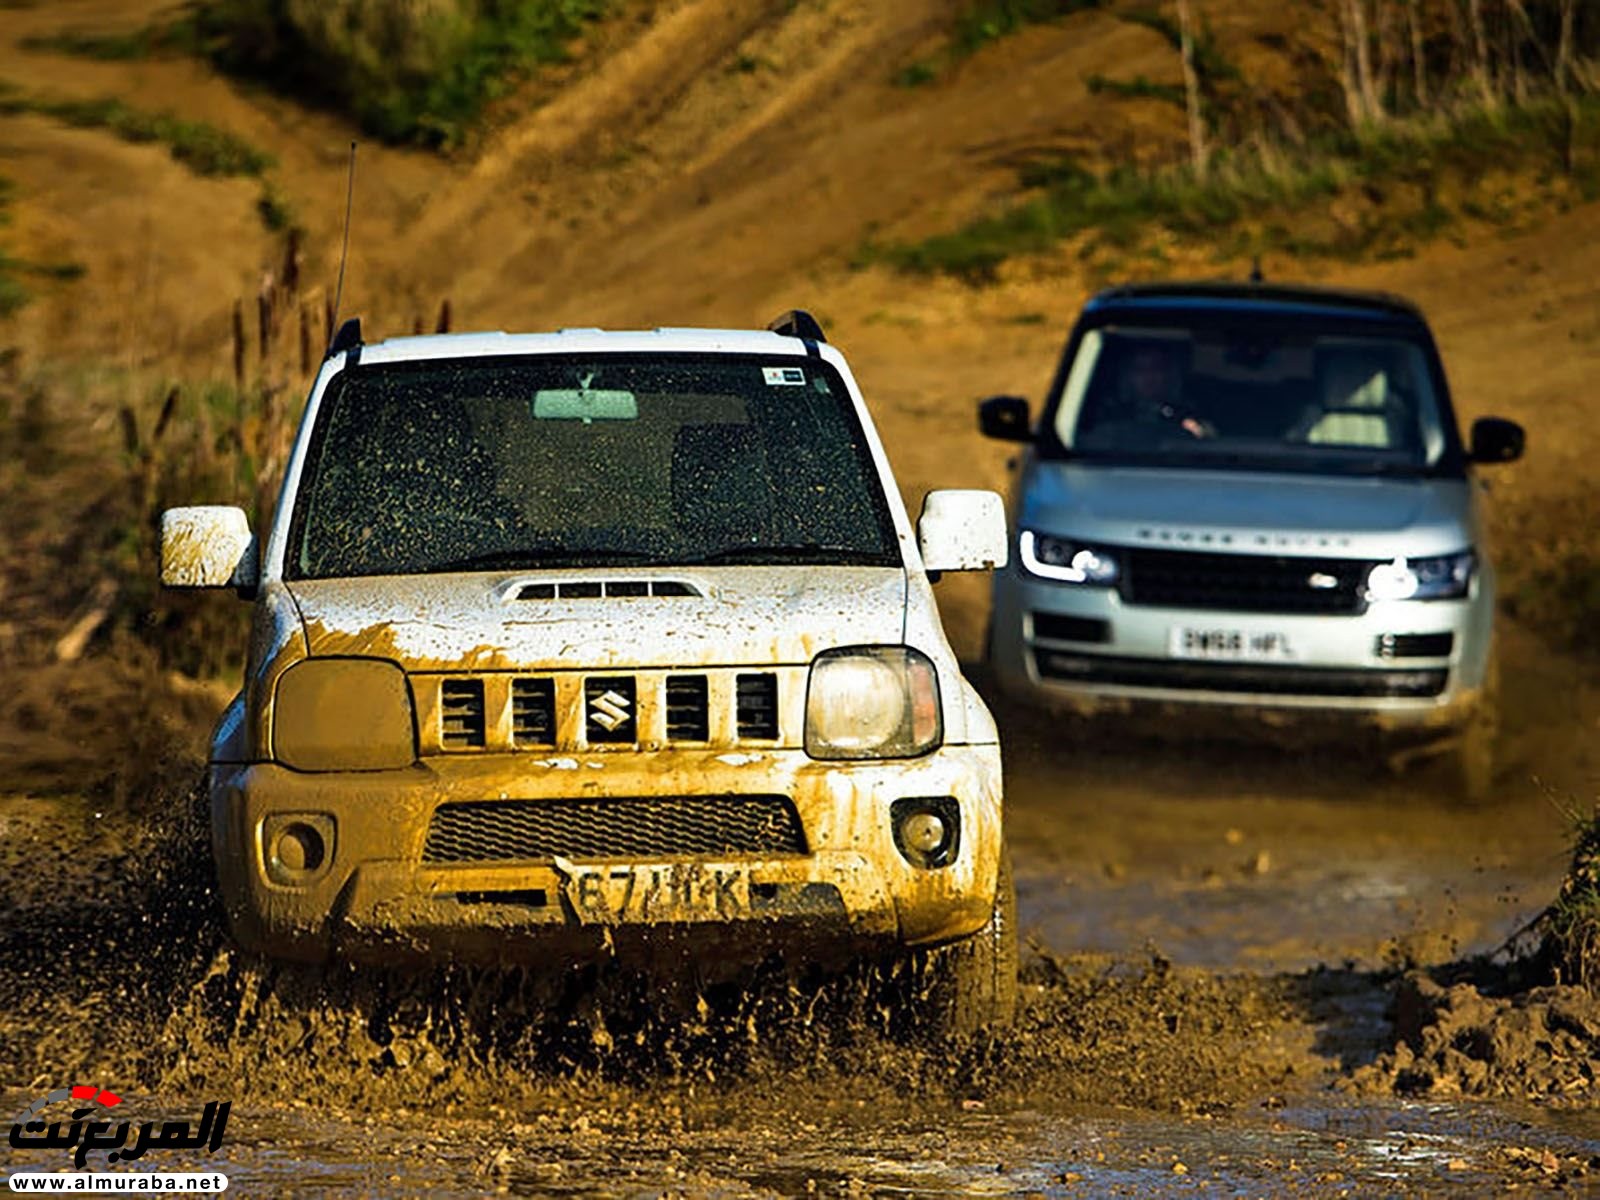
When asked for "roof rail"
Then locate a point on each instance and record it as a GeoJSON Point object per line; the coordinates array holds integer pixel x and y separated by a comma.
{"type": "Point", "coordinates": [348, 337]}
{"type": "Point", "coordinates": [798, 323]}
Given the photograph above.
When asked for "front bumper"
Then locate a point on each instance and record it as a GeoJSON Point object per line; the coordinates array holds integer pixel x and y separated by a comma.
{"type": "Point", "coordinates": [1400, 665]}
{"type": "Point", "coordinates": [380, 895]}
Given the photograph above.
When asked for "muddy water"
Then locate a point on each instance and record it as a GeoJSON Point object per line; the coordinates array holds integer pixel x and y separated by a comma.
{"type": "Point", "coordinates": [1215, 930]}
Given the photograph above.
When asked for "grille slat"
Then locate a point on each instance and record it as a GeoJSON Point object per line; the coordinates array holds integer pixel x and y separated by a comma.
{"type": "Point", "coordinates": [757, 704]}
{"type": "Point", "coordinates": [1244, 582]}
{"type": "Point", "coordinates": [614, 828]}
{"type": "Point", "coordinates": [688, 708]}
{"type": "Point", "coordinates": [461, 713]}
{"type": "Point", "coordinates": [533, 712]}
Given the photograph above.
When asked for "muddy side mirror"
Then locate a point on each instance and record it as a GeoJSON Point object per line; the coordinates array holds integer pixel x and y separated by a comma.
{"type": "Point", "coordinates": [1496, 440]}
{"type": "Point", "coordinates": [962, 530]}
{"type": "Point", "coordinates": [1005, 418]}
{"type": "Point", "coordinates": [208, 546]}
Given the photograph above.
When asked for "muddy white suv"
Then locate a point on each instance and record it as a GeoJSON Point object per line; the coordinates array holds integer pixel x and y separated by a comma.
{"type": "Point", "coordinates": [598, 643]}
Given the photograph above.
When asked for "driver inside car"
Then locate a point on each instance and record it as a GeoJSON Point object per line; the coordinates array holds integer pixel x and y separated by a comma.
{"type": "Point", "coordinates": [1149, 404]}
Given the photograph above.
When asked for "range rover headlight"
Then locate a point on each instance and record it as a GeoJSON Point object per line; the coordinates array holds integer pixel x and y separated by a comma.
{"type": "Point", "coordinates": [872, 702]}
{"type": "Point", "coordinates": [343, 714]}
{"type": "Point", "coordinates": [1066, 561]}
{"type": "Point", "coordinates": [1446, 577]}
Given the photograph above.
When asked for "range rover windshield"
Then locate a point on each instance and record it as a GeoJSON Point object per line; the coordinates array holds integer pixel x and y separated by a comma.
{"type": "Point", "coordinates": [564, 461]}
{"type": "Point", "coordinates": [1275, 398]}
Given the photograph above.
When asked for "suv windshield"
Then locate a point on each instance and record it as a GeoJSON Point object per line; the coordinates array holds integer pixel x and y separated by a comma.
{"type": "Point", "coordinates": [1262, 397]}
{"type": "Point", "coordinates": [565, 461]}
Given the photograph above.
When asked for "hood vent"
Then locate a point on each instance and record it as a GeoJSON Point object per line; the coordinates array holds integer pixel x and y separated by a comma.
{"type": "Point", "coordinates": [608, 589]}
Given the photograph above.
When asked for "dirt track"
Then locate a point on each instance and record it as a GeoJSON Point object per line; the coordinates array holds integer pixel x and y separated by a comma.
{"type": "Point", "coordinates": [730, 195]}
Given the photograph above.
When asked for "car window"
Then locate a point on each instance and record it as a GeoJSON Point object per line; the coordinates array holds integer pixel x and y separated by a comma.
{"type": "Point", "coordinates": [1251, 397]}
{"type": "Point", "coordinates": [566, 461]}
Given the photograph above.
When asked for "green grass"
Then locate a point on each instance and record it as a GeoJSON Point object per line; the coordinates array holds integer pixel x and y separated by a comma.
{"type": "Point", "coordinates": [1140, 87]}
{"type": "Point", "coordinates": [116, 47]}
{"type": "Point", "coordinates": [982, 22]}
{"type": "Point", "coordinates": [1571, 924]}
{"type": "Point", "coordinates": [202, 147]}
{"type": "Point", "coordinates": [1253, 201]}
{"type": "Point", "coordinates": [407, 72]}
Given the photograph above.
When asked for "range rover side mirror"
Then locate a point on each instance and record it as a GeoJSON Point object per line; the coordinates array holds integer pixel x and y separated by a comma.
{"type": "Point", "coordinates": [1005, 418]}
{"type": "Point", "coordinates": [1496, 440]}
{"type": "Point", "coordinates": [208, 546]}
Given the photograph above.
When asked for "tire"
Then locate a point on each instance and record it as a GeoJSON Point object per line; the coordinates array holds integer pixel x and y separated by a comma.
{"type": "Point", "coordinates": [1472, 753]}
{"type": "Point", "coordinates": [968, 986]}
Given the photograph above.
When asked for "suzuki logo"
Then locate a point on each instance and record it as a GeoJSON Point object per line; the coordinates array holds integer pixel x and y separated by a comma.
{"type": "Point", "coordinates": [1323, 582]}
{"type": "Point", "coordinates": [609, 711]}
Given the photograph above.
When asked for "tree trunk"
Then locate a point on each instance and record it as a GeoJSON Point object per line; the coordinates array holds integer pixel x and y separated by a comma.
{"type": "Point", "coordinates": [1480, 50]}
{"type": "Point", "coordinates": [1564, 47]}
{"type": "Point", "coordinates": [1418, 53]}
{"type": "Point", "coordinates": [1191, 90]}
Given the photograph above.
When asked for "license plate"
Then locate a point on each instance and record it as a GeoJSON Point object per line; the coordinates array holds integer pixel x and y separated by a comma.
{"type": "Point", "coordinates": [681, 892]}
{"type": "Point", "coordinates": [1239, 645]}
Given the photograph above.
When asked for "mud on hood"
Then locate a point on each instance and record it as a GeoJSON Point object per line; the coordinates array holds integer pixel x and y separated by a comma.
{"type": "Point", "coordinates": [511, 621]}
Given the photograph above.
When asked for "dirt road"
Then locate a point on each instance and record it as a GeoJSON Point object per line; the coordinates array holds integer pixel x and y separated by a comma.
{"type": "Point", "coordinates": [1220, 926]}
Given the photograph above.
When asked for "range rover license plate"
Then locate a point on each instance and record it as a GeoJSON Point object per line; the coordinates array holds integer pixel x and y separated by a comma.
{"type": "Point", "coordinates": [1237, 645]}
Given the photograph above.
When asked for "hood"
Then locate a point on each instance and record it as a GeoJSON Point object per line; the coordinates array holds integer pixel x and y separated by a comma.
{"type": "Point", "coordinates": [730, 616]}
{"type": "Point", "coordinates": [1359, 517]}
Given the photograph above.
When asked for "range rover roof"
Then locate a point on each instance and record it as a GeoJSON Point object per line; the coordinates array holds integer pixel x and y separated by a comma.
{"type": "Point", "coordinates": [1299, 299]}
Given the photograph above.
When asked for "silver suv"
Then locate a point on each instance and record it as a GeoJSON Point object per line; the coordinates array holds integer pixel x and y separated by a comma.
{"type": "Point", "coordinates": [1253, 496]}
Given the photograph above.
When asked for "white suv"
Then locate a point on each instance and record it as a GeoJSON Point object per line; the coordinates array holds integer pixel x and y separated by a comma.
{"type": "Point", "coordinates": [601, 643]}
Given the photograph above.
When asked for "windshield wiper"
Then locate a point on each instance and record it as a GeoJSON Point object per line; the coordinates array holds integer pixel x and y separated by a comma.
{"type": "Point", "coordinates": [801, 553]}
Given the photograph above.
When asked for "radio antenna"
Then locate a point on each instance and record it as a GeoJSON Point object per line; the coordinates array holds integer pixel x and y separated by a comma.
{"type": "Point", "coordinates": [344, 252]}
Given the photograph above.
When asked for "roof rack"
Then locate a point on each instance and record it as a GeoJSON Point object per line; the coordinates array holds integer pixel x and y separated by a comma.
{"type": "Point", "coordinates": [798, 323]}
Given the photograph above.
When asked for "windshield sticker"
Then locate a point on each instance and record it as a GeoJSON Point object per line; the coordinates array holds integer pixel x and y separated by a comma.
{"type": "Point", "coordinates": [784, 376]}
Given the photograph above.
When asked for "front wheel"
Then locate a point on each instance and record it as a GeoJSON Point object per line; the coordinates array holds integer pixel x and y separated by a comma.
{"type": "Point", "coordinates": [967, 986]}
{"type": "Point", "coordinates": [1472, 753]}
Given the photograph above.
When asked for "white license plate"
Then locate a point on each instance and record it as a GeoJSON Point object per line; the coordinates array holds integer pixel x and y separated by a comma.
{"type": "Point", "coordinates": [1235, 645]}
{"type": "Point", "coordinates": [681, 892]}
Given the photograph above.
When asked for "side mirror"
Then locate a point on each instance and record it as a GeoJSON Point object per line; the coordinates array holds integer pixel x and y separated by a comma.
{"type": "Point", "coordinates": [962, 530]}
{"type": "Point", "coordinates": [208, 546]}
{"type": "Point", "coordinates": [1496, 440]}
{"type": "Point", "coordinates": [1005, 418]}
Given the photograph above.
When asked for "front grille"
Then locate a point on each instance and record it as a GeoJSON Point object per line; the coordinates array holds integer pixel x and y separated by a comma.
{"type": "Point", "coordinates": [461, 713]}
{"type": "Point", "coordinates": [533, 712]}
{"type": "Point", "coordinates": [688, 709]}
{"type": "Point", "coordinates": [1244, 582]}
{"type": "Point", "coordinates": [1240, 677]}
{"type": "Point", "coordinates": [610, 709]}
{"type": "Point", "coordinates": [757, 702]}
{"type": "Point", "coordinates": [614, 828]}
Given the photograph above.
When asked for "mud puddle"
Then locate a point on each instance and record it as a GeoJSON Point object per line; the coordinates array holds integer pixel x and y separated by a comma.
{"type": "Point", "coordinates": [834, 1145]}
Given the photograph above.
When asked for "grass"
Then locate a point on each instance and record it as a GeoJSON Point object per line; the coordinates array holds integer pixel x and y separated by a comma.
{"type": "Point", "coordinates": [1571, 924]}
{"type": "Point", "coordinates": [982, 22]}
{"type": "Point", "coordinates": [1392, 181]}
{"type": "Point", "coordinates": [406, 71]}
{"type": "Point", "coordinates": [202, 147]}
{"type": "Point", "coordinates": [1140, 87]}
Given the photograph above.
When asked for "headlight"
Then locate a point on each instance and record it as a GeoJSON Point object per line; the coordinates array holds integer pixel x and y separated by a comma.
{"type": "Point", "coordinates": [1065, 561]}
{"type": "Point", "coordinates": [1445, 578]}
{"type": "Point", "coordinates": [343, 714]}
{"type": "Point", "coordinates": [872, 702]}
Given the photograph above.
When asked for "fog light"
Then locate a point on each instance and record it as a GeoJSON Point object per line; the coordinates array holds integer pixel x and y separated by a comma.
{"type": "Point", "coordinates": [297, 848]}
{"type": "Point", "coordinates": [927, 830]}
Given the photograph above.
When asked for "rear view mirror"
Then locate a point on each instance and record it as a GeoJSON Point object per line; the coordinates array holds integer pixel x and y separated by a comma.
{"type": "Point", "coordinates": [962, 530]}
{"type": "Point", "coordinates": [575, 404]}
{"type": "Point", "coordinates": [1496, 440]}
{"type": "Point", "coordinates": [208, 546]}
{"type": "Point", "coordinates": [1005, 418]}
